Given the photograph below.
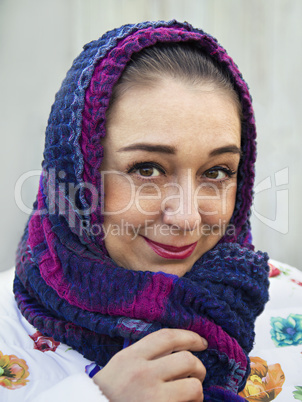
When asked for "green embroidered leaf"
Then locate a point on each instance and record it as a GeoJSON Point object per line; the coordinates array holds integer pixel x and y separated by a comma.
{"type": "Point", "coordinates": [298, 393]}
{"type": "Point", "coordinates": [285, 271]}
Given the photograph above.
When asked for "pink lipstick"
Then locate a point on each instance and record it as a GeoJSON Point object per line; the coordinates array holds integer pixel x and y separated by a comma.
{"type": "Point", "coordinates": [171, 252]}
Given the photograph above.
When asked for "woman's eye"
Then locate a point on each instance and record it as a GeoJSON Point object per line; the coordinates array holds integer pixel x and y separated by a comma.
{"type": "Point", "coordinates": [218, 174]}
{"type": "Point", "coordinates": [148, 171]}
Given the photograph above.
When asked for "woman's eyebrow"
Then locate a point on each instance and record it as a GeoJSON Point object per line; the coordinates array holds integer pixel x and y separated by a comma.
{"type": "Point", "coordinates": [226, 149]}
{"type": "Point", "coordinates": [165, 149]}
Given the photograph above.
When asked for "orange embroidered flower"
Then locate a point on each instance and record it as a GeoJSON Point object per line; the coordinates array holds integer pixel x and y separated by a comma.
{"type": "Point", "coordinates": [264, 382]}
{"type": "Point", "coordinates": [13, 371]}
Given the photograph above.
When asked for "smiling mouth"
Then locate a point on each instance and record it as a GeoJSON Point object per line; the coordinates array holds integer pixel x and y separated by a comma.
{"type": "Point", "coordinates": [171, 252]}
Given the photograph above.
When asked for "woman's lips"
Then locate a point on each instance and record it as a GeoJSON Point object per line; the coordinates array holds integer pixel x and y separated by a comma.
{"type": "Point", "coordinates": [171, 252]}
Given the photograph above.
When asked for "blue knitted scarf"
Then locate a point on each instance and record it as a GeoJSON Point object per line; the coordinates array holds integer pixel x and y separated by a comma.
{"type": "Point", "coordinates": [67, 285]}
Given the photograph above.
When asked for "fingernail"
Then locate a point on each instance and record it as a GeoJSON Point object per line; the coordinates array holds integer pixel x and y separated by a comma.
{"type": "Point", "coordinates": [205, 342]}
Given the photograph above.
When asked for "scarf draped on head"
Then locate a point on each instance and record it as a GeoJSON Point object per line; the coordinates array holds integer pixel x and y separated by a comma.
{"type": "Point", "coordinates": [66, 284]}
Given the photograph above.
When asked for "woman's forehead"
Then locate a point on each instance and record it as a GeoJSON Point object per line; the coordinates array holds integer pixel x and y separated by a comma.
{"type": "Point", "coordinates": [174, 114]}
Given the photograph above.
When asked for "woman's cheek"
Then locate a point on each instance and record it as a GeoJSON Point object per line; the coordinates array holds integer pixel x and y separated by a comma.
{"type": "Point", "coordinates": [147, 201]}
{"type": "Point", "coordinates": [118, 194]}
{"type": "Point", "coordinates": [218, 209]}
{"type": "Point", "coordinates": [122, 207]}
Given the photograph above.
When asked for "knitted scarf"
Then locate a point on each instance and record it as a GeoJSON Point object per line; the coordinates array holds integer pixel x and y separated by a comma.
{"type": "Point", "coordinates": [66, 284]}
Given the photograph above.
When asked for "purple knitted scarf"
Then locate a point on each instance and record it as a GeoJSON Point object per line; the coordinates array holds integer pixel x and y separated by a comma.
{"type": "Point", "coordinates": [68, 287]}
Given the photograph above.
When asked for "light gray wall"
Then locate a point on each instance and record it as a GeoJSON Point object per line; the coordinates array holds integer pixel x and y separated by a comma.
{"type": "Point", "coordinates": [40, 38]}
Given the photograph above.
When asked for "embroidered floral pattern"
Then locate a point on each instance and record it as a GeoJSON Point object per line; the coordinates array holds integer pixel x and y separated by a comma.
{"type": "Point", "coordinates": [298, 393]}
{"type": "Point", "coordinates": [13, 371]}
{"type": "Point", "coordinates": [44, 343]}
{"type": "Point", "coordinates": [92, 369]}
{"type": "Point", "coordinates": [273, 271]}
{"type": "Point", "coordinates": [264, 382]}
{"type": "Point", "coordinates": [287, 331]}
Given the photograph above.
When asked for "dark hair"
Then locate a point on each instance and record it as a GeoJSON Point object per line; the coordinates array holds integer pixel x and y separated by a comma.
{"type": "Point", "coordinates": [177, 60]}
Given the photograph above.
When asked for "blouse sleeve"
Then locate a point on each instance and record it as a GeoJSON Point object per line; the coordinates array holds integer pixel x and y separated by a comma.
{"type": "Point", "coordinates": [276, 359]}
{"type": "Point", "coordinates": [36, 368]}
{"type": "Point", "coordinates": [75, 388]}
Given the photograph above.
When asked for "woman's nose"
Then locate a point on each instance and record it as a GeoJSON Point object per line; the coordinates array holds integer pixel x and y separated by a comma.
{"type": "Point", "coordinates": [179, 207]}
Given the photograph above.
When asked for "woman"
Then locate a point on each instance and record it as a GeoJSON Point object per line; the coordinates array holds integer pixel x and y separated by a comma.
{"type": "Point", "coordinates": [138, 253]}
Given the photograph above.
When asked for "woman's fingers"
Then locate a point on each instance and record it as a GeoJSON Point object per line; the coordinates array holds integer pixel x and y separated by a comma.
{"type": "Point", "coordinates": [159, 367]}
{"type": "Point", "coordinates": [179, 365]}
{"type": "Point", "coordinates": [167, 341]}
{"type": "Point", "coordinates": [187, 389]}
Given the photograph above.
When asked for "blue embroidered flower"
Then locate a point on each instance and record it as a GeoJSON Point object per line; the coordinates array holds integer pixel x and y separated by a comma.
{"type": "Point", "coordinates": [287, 332]}
{"type": "Point", "coordinates": [92, 369]}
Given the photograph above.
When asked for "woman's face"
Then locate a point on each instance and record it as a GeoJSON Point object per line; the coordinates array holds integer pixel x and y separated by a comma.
{"type": "Point", "coordinates": [170, 164]}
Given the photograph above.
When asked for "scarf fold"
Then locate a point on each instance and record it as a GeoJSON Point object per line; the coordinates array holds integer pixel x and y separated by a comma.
{"type": "Point", "coordinates": [219, 299]}
{"type": "Point", "coordinates": [68, 287]}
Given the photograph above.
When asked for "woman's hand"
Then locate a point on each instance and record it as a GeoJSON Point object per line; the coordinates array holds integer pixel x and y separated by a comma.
{"type": "Point", "coordinates": [157, 368]}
